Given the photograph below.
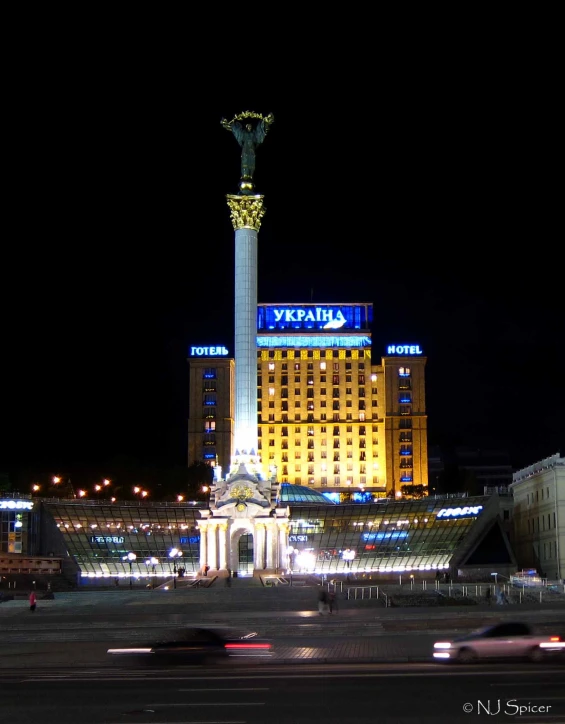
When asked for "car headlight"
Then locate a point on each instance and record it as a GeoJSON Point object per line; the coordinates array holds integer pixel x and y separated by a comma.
{"type": "Point", "coordinates": [442, 645]}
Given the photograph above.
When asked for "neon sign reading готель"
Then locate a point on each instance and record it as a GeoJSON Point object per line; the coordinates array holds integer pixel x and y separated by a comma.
{"type": "Point", "coordinates": [219, 351]}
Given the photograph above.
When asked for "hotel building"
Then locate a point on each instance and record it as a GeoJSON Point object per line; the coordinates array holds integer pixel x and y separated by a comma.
{"type": "Point", "coordinates": [328, 417]}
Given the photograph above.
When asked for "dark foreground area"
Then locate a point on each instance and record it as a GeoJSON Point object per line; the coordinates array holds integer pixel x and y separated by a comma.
{"type": "Point", "coordinates": [345, 694]}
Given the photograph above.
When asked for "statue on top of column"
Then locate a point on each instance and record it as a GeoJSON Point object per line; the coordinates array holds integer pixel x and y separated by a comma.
{"type": "Point", "coordinates": [249, 135]}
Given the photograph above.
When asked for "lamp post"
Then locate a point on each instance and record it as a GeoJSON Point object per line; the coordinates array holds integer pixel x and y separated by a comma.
{"type": "Point", "coordinates": [152, 562]}
{"type": "Point", "coordinates": [130, 559]}
{"type": "Point", "coordinates": [175, 553]}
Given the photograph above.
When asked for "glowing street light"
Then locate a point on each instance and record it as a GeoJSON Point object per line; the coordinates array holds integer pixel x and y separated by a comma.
{"type": "Point", "coordinates": [130, 558]}
{"type": "Point", "coordinates": [144, 493]}
{"type": "Point", "coordinates": [106, 482]}
{"type": "Point", "coordinates": [180, 498]}
{"type": "Point", "coordinates": [81, 493]}
{"type": "Point", "coordinates": [137, 490]}
{"type": "Point", "coordinates": [98, 488]}
{"type": "Point", "coordinates": [36, 488]}
{"type": "Point", "coordinates": [175, 553]}
{"type": "Point", "coordinates": [56, 479]}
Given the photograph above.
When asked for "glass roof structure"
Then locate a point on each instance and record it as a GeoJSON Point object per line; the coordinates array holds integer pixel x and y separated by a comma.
{"type": "Point", "coordinates": [297, 494]}
{"type": "Point", "coordinates": [385, 536]}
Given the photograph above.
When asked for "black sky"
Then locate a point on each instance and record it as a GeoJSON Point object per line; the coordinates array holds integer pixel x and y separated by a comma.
{"type": "Point", "coordinates": [434, 200]}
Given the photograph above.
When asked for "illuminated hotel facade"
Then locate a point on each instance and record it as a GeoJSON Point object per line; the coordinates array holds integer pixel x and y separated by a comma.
{"type": "Point", "coordinates": [327, 416]}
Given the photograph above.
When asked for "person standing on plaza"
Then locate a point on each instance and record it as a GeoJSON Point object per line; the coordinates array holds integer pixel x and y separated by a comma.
{"type": "Point", "coordinates": [32, 601]}
{"type": "Point", "coordinates": [332, 602]}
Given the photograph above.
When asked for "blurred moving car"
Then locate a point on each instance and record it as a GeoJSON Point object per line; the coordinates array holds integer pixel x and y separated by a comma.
{"type": "Point", "coordinates": [504, 640]}
{"type": "Point", "coordinates": [197, 646]}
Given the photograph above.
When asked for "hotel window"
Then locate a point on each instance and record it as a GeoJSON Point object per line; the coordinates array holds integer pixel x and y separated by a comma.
{"type": "Point", "coordinates": [349, 403]}
{"type": "Point", "coordinates": [323, 416]}
{"type": "Point", "coordinates": [322, 403]}
{"type": "Point", "coordinates": [405, 397]}
{"type": "Point", "coordinates": [271, 431]}
{"type": "Point", "coordinates": [271, 366]}
{"type": "Point", "coordinates": [284, 392]}
{"type": "Point", "coordinates": [297, 379]}
{"type": "Point", "coordinates": [361, 379]}
{"type": "Point", "coordinates": [285, 470]}
{"type": "Point", "coordinates": [209, 425]}
{"type": "Point", "coordinates": [335, 405]}
{"type": "Point", "coordinates": [284, 444]}
{"type": "Point", "coordinates": [271, 418]}
{"type": "Point", "coordinates": [349, 441]}
{"type": "Point", "coordinates": [297, 468]}
{"type": "Point", "coordinates": [272, 405]}
{"type": "Point", "coordinates": [404, 371]}
{"type": "Point", "coordinates": [322, 378]}
{"type": "Point", "coordinates": [297, 430]}
{"type": "Point", "coordinates": [405, 424]}
{"type": "Point", "coordinates": [347, 378]}
{"type": "Point", "coordinates": [271, 353]}
{"type": "Point", "coordinates": [362, 430]}
{"type": "Point", "coordinates": [297, 442]}
{"type": "Point", "coordinates": [362, 469]}
{"type": "Point", "coordinates": [297, 391]}
{"type": "Point", "coordinates": [271, 442]}
{"type": "Point", "coordinates": [361, 365]}
{"type": "Point", "coordinates": [323, 354]}
{"type": "Point", "coordinates": [361, 392]}
{"type": "Point", "coordinates": [259, 381]}
{"type": "Point", "coordinates": [374, 403]}
{"type": "Point", "coordinates": [336, 366]}
{"type": "Point", "coordinates": [335, 380]}
{"type": "Point", "coordinates": [348, 366]}
{"type": "Point", "coordinates": [348, 353]}
{"type": "Point", "coordinates": [310, 392]}
{"type": "Point", "coordinates": [361, 404]}
{"type": "Point", "coordinates": [284, 356]}
{"type": "Point", "coordinates": [310, 353]}
{"type": "Point", "coordinates": [336, 480]}
{"type": "Point", "coordinates": [297, 403]}
{"type": "Point", "coordinates": [310, 406]}
{"type": "Point", "coordinates": [349, 467]}
{"type": "Point", "coordinates": [335, 392]}
{"type": "Point", "coordinates": [297, 455]}
{"type": "Point", "coordinates": [322, 390]}
{"type": "Point", "coordinates": [209, 373]}
{"type": "Point", "coordinates": [209, 386]}
{"type": "Point", "coordinates": [310, 470]}
{"type": "Point", "coordinates": [284, 432]}
{"type": "Point", "coordinates": [271, 456]}
{"type": "Point", "coordinates": [336, 430]}
{"type": "Point", "coordinates": [373, 378]}
{"type": "Point", "coordinates": [271, 390]}
{"type": "Point", "coordinates": [284, 405]}
{"type": "Point", "coordinates": [361, 443]}
{"type": "Point", "coordinates": [324, 442]}
{"type": "Point", "coordinates": [209, 399]}
{"type": "Point", "coordinates": [310, 380]}
{"type": "Point", "coordinates": [323, 481]}
{"type": "Point", "coordinates": [271, 379]}
{"type": "Point", "coordinates": [284, 457]}
{"type": "Point", "coordinates": [349, 416]}
{"type": "Point", "coordinates": [404, 409]}
{"type": "Point", "coordinates": [296, 354]}
{"type": "Point", "coordinates": [310, 431]}
{"type": "Point", "coordinates": [350, 453]}
{"type": "Point", "coordinates": [335, 353]}
{"type": "Point", "coordinates": [310, 444]}
{"type": "Point", "coordinates": [348, 390]}
{"type": "Point", "coordinates": [336, 443]}
{"type": "Point", "coordinates": [297, 366]}
{"type": "Point", "coordinates": [362, 456]}
{"type": "Point", "coordinates": [361, 417]}
{"type": "Point", "coordinates": [297, 417]}
{"type": "Point", "coordinates": [322, 365]}
{"type": "Point", "coordinates": [336, 469]}
{"type": "Point", "coordinates": [284, 365]}
{"type": "Point", "coordinates": [310, 365]}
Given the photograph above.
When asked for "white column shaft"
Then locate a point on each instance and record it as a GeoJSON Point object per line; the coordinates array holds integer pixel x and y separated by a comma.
{"type": "Point", "coordinates": [212, 548]}
{"type": "Point", "coordinates": [223, 548]}
{"type": "Point", "coordinates": [270, 548]}
{"type": "Point", "coordinates": [245, 437]}
{"type": "Point", "coordinates": [283, 546]}
{"type": "Point", "coordinates": [203, 546]}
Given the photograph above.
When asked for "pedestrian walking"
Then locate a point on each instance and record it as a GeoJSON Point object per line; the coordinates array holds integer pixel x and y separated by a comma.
{"type": "Point", "coordinates": [488, 596]}
{"type": "Point", "coordinates": [228, 578]}
{"type": "Point", "coordinates": [32, 601]}
{"type": "Point", "coordinates": [323, 602]}
{"type": "Point", "coordinates": [332, 602]}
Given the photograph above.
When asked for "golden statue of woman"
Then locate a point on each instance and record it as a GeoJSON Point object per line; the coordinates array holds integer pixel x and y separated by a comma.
{"type": "Point", "coordinates": [249, 136]}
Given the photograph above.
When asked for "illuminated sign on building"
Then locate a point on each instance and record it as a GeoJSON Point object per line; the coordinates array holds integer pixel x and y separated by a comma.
{"type": "Point", "coordinates": [459, 512]}
{"type": "Point", "coordinates": [404, 349]}
{"type": "Point", "coordinates": [317, 340]}
{"type": "Point", "coordinates": [314, 316]}
{"type": "Point", "coordinates": [189, 539]}
{"type": "Point", "coordinates": [106, 539]}
{"type": "Point", "coordinates": [392, 535]}
{"type": "Point", "coordinates": [298, 538]}
{"type": "Point", "coordinates": [208, 351]}
{"type": "Point", "coordinates": [16, 505]}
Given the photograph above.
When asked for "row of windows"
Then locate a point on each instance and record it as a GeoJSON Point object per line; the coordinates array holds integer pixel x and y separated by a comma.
{"type": "Point", "coordinates": [335, 481]}
{"type": "Point", "coordinates": [541, 521]}
{"type": "Point", "coordinates": [336, 417]}
{"type": "Point", "coordinates": [300, 354]}
{"type": "Point", "coordinates": [323, 367]}
{"type": "Point", "coordinates": [323, 429]}
{"type": "Point", "coordinates": [310, 381]}
{"type": "Point", "coordinates": [530, 496]}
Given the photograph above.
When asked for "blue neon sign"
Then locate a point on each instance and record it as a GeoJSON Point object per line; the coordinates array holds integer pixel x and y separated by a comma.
{"type": "Point", "coordinates": [299, 340]}
{"type": "Point", "coordinates": [392, 535]}
{"type": "Point", "coordinates": [405, 350]}
{"type": "Point", "coordinates": [314, 316]}
{"type": "Point", "coordinates": [218, 351]}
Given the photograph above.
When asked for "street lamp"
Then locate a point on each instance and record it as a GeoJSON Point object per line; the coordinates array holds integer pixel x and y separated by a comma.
{"type": "Point", "coordinates": [175, 553]}
{"type": "Point", "coordinates": [130, 558]}
{"type": "Point", "coordinates": [151, 562]}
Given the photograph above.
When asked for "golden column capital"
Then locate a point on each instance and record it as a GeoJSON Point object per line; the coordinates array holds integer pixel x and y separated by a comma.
{"type": "Point", "coordinates": [223, 526]}
{"type": "Point", "coordinates": [246, 212]}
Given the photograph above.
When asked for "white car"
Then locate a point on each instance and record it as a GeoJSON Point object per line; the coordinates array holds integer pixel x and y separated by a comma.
{"type": "Point", "coordinates": [504, 640]}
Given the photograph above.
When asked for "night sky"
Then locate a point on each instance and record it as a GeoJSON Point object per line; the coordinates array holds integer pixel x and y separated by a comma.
{"type": "Point", "coordinates": [437, 207]}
